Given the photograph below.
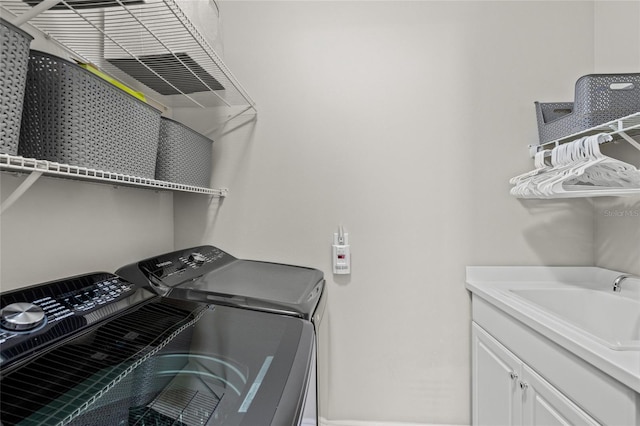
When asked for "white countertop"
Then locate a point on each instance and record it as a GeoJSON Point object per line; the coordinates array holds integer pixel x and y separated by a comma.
{"type": "Point", "coordinates": [492, 283]}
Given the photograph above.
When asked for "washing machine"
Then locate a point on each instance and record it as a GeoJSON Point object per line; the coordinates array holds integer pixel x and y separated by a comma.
{"type": "Point", "coordinates": [98, 349]}
{"type": "Point", "coordinates": [208, 274]}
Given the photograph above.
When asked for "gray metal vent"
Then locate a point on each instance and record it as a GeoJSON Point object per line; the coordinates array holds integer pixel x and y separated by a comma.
{"type": "Point", "coordinates": [180, 69]}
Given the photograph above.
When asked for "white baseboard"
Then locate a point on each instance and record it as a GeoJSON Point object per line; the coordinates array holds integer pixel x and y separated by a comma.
{"type": "Point", "coordinates": [325, 422]}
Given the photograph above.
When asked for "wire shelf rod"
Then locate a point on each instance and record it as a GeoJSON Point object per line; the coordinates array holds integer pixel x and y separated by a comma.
{"type": "Point", "coordinates": [618, 127]}
{"type": "Point", "coordinates": [35, 11]}
{"type": "Point", "coordinates": [628, 138]}
{"type": "Point", "coordinates": [20, 190]}
{"type": "Point", "coordinates": [50, 168]}
{"type": "Point", "coordinates": [228, 119]}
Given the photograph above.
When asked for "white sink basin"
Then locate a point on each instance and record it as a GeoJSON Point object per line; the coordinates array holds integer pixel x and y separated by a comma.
{"type": "Point", "coordinates": [608, 317]}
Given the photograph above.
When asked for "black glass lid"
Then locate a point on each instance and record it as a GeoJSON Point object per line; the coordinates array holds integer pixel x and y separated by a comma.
{"type": "Point", "coordinates": [162, 362]}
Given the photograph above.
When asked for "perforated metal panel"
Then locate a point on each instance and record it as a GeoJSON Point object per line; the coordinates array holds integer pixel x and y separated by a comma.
{"type": "Point", "coordinates": [73, 117]}
{"type": "Point", "coordinates": [155, 70]}
{"type": "Point", "coordinates": [14, 54]}
{"type": "Point", "coordinates": [596, 102]}
{"type": "Point", "coordinates": [184, 155]}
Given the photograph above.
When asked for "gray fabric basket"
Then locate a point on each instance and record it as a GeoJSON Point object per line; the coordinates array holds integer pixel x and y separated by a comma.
{"type": "Point", "coordinates": [184, 155]}
{"type": "Point", "coordinates": [595, 102]}
{"type": "Point", "coordinates": [14, 55]}
{"type": "Point", "coordinates": [72, 116]}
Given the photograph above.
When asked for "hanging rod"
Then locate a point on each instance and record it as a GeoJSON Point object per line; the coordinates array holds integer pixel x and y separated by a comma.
{"type": "Point", "coordinates": [619, 127]}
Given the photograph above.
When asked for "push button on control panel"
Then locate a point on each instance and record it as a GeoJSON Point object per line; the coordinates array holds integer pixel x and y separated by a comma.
{"type": "Point", "coordinates": [175, 268]}
{"type": "Point", "coordinates": [99, 294]}
{"type": "Point", "coordinates": [198, 259]}
{"type": "Point", "coordinates": [54, 310]}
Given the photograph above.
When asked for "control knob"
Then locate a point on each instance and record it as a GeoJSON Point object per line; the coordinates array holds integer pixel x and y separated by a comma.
{"type": "Point", "coordinates": [197, 258]}
{"type": "Point", "coordinates": [21, 316]}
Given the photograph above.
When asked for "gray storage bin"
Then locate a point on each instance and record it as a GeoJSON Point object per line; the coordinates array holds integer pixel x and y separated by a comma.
{"type": "Point", "coordinates": [599, 98]}
{"type": "Point", "coordinates": [184, 155]}
{"type": "Point", "coordinates": [14, 55]}
{"type": "Point", "coordinates": [72, 116]}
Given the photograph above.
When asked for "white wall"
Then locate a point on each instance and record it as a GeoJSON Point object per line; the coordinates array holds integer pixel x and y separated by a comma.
{"type": "Point", "coordinates": [403, 121]}
{"type": "Point", "coordinates": [61, 228]}
{"type": "Point", "coordinates": [618, 219]}
{"type": "Point", "coordinates": [618, 234]}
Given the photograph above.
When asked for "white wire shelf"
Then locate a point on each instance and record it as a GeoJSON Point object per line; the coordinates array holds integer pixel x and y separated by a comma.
{"type": "Point", "coordinates": [149, 42]}
{"type": "Point", "coordinates": [49, 168]}
{"type": "Point", "coordinates": [624, 127]}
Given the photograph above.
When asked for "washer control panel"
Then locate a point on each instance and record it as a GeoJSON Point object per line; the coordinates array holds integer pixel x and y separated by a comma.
{"type": "Point", "coordinates": [95, 295]}
{"type": "Point", "coordinates": [179, 266]}
{"type": "Point", "coordinates": [37, 315]}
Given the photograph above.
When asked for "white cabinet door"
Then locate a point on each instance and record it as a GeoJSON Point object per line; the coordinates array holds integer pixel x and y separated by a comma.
{"type": "Point", "coordinates": [496, 396]}
{"type": "Point", "coordinates": [505, 391]}
{"type": "Point", "coordinates": [544, 405]}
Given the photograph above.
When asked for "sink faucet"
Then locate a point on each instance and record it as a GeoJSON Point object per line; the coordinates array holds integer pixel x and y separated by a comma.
{"type": "Point", "coordinates": [618, 281]}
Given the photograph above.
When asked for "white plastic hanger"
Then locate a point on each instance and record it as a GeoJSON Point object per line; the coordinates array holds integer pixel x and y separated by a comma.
{"type": "Point", "coordinates": [540, 166]}
{"type": "Point", "coordinates": [561, 161]}
{"type": "Point", "coordinates": [522, 180]}
{"type": "Point", "coordinates": [578, 169]}
{"type": "Point", "coordinates": [609, 171]}
{"type": "Point", "coordinates": [572, 160]}
{"type": "Point", "coordinates": [592, 173]}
